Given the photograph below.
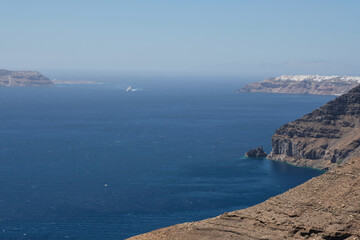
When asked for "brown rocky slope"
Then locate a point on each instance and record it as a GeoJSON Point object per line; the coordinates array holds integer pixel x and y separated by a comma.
{"type": "Point", "coordinates": [23, 79]}
{"type": "Point", "coordinates": [323, 138]}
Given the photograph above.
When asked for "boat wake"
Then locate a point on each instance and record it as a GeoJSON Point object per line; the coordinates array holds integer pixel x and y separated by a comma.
{"type": "Point", "coordinates": [131, 89]}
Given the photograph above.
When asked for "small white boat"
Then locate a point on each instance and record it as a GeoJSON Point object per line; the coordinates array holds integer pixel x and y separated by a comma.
{"type": "Point", "coordinates": [129, 89]}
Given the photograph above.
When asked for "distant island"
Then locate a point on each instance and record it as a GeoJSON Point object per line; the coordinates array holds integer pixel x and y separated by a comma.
{"type": "Point", "coordinates": [304, 84]}
{"type": "Point", "coordinates": [32, 79]}
{"type": "Point", "coordinates": [23, 79]}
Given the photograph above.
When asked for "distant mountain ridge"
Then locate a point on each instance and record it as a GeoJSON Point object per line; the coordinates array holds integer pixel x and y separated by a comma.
{"type": "Point", "coordinates": [304, 84]}
{"type": "Point", "coordinates": [23, 79]}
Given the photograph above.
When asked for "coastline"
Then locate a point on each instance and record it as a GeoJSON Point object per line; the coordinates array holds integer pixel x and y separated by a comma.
{"type": "Point", "coordinates": [324, 207]}
{"type": "Point", "coordinates": [318, 208]}
{"type": "Point", "coordinates": [300, 166]}
{"type": "Point", "coordinates": [318, 164]}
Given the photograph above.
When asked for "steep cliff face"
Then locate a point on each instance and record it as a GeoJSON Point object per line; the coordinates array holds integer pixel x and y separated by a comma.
{"type": "Point", "coordinates": [23, 79]}
{"type": "Point", "coordinates": [304, 84]}
{"type": "Point", "coordinates": [325, 207]}
{"type": "Point", "coordinates": [324, 138]}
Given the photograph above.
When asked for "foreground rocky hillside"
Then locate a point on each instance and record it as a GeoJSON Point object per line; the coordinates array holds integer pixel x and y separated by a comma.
{"type": "Point", "coordinates": [324, 138]}
{"type": "Point", "coordinates": [23, 79]}
{"type": "Point", "coordinates": [325, 207]}
{"type": "Point", "coordinates": [304, 84]}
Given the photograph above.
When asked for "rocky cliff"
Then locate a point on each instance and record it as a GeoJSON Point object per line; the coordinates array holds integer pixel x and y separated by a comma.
{"type": "Point", "coordinates": [304, 84]}
{"type": "Point", "coordinates": [325, 207]}
{"type": "Point", "coordinates": [324, 138]}
{"type": "Point", "coordinates": [23, 79]}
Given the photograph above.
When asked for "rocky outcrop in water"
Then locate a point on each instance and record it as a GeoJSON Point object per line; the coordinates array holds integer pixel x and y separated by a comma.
{"type": "Point", "coordinates": [256, 153]}
{"type": "Point", "coordinates": [324, 138]}
{"type": "Point", "coordinates": [23, 79]}
{"type": "Point", "coordinates": [304, 84]}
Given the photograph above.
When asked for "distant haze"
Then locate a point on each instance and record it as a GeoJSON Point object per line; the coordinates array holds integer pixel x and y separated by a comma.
{"type": "Point", "coordinates": [203, 37]}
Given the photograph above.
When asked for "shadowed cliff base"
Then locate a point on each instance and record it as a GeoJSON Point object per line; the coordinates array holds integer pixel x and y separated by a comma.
{"type": "Point", "coordinates": [325, 207]}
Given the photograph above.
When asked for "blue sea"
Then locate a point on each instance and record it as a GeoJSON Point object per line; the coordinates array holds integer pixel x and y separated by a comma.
{"type": "Point", "coordinates": [97, 162]}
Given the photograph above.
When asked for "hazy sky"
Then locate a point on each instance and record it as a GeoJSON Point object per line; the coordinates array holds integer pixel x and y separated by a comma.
{"type": "Point", "coordinates": [230, 37]}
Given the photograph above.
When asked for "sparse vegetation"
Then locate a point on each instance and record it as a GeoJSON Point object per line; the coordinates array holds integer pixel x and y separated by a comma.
{"type": "Point", "coordinates": [339, 161]}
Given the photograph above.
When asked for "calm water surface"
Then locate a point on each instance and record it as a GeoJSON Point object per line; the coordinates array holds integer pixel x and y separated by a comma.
{"type": "Point", "coordinates": [96, 162]}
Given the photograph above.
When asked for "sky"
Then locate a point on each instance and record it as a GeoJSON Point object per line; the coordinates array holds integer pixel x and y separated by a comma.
{"type": "Point", "coordinates": [223, 37]}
